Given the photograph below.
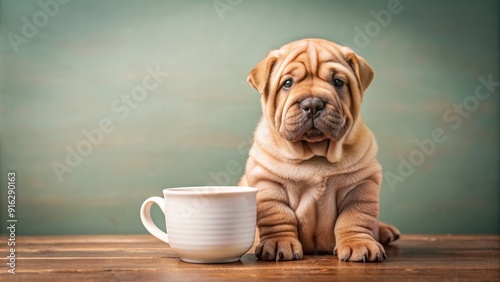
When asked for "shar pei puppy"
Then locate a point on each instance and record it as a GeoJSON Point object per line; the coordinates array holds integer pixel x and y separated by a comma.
{"type": "Point", "coordinates": [313, 159]}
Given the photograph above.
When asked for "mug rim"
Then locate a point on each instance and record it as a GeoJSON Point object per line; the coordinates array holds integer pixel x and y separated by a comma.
{"type": "Point", "coordinates": [205, 190]}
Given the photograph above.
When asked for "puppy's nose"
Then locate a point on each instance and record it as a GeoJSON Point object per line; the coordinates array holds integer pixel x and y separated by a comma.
{"type": "Point", "coordinates": [312, 106]}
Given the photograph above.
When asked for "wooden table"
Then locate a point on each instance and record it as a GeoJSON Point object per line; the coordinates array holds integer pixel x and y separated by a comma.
{"type": "Point", "coordinates": [144, 258]}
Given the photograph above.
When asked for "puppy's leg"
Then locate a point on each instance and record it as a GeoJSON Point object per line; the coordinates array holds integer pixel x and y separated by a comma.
{"type": "Point", "coordinates": [277, 224]}
{"type": "Point", "coordinates": [387, 233]}
{"type": "Point", "coordinates": [357, 224]}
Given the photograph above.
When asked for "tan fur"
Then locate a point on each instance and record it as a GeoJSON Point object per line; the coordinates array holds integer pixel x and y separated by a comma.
{"type": "Point", "coordinates": [317, 191]}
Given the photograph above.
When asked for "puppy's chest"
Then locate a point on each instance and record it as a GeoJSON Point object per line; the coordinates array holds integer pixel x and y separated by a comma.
{"type": "Point", "coordinates": [314, 193]}
{"type": "Point", "coordinates": [315, 207]}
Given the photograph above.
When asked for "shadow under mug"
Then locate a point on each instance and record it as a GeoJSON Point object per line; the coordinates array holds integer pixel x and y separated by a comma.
{"type": "Point", "coordinates": [205, 224]}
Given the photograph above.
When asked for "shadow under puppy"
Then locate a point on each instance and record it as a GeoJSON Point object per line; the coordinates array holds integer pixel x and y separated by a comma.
{"type": "Point", "coordinates": [313, 159]}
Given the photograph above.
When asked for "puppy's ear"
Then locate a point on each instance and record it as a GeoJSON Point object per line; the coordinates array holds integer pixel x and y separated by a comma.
{"type": "Point", "coordinates": [364, 73]}
{"type": "Point", "coordinates": [260, 74]}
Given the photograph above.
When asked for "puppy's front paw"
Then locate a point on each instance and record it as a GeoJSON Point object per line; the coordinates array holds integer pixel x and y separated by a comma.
{"type": "Point", "coordinates": [360, 250]}
{"type": "Point", "coordinates": [279, 249]}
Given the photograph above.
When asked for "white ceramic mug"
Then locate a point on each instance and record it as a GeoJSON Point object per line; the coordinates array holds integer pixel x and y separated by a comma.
{"type": "Point", "coordinates": [206, 224]}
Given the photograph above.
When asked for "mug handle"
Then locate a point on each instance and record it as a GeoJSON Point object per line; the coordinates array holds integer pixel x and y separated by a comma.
{"type": "Point", "coordinates": [148, 222]}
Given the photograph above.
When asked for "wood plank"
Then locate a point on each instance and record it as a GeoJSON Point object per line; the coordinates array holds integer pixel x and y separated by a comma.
{"type": "Point", "coordinates": [142, 257]}
{"type": "Point", "coordinates": [278, 275]}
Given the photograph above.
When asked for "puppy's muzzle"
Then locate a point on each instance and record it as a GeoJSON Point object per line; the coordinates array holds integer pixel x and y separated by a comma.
{"type": "Point", "coordinates": [312, 107]}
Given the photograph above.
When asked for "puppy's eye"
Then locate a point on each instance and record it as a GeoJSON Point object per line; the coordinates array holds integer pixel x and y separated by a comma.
{"type": "Point", "coordinates": [338, 83]}
{"type": "Point", "coordinates": [287, 84]}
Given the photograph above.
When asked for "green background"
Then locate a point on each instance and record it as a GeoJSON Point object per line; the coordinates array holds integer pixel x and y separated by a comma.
{"type": "Point", "coordinates": [84, 58]}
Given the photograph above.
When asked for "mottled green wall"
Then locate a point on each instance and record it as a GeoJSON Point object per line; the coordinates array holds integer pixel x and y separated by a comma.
{"type": "Point", "coordinates": [73, 75]}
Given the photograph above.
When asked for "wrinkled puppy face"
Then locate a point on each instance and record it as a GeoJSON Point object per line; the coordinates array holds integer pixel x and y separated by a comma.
{"type": "Point", "coordinates": [311, 89]}
{"type": "Point", "coordinates": [313, 97]}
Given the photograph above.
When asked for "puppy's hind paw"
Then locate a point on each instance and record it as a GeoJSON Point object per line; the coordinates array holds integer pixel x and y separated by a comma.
{"type": "Point", "coordinates": [387, 233]}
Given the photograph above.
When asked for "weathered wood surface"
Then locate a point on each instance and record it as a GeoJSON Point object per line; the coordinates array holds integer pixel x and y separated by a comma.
{"type": "Point", "coordinates": [82, 66]}
{"type": "Point", "coordinates": [144, 258]}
